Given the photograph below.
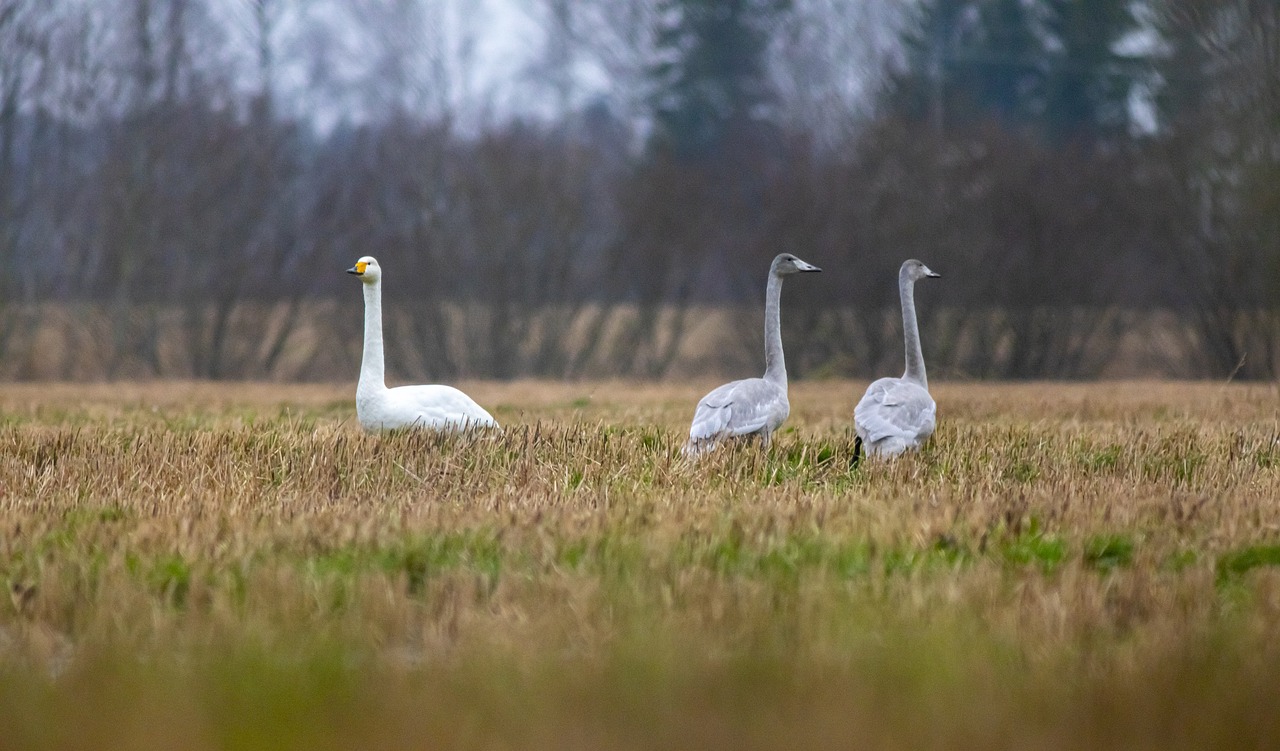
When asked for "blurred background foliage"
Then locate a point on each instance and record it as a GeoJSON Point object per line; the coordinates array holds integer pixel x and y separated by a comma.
{"type": "Point", "coordinates": [183, 181]}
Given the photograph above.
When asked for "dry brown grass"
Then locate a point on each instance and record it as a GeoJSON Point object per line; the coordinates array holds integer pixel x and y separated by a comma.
{"type": "Point", "coordinates": [237, 566]}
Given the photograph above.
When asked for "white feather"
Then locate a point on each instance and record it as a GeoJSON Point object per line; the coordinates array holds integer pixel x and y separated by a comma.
{"type": "Point", "coordinates": [380, 408]}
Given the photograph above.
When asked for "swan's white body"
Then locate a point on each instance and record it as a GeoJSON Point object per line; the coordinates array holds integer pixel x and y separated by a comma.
{"type": "Point", "coordinates": [434, 407]}
{"type": "Point", "coordinates": [897, 415]}
{"type": "Point", "coordinates": [380, 408]}
{"type": "Point", "coordinates": [752, 406]}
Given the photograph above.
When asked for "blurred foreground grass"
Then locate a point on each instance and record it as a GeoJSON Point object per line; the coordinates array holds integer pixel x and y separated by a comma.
{"type": "Point", "coordinates": [1066, 566]}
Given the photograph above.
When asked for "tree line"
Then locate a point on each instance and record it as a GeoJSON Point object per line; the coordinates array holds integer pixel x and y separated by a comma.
{"type": "Point", "coordinates": [183, 181]}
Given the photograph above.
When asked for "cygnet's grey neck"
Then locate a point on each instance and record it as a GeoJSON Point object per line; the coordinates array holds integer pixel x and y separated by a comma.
{"type": "Point", "coordinates": [775, 365]}
{"type": "Point", "coordinates": [911, 330]}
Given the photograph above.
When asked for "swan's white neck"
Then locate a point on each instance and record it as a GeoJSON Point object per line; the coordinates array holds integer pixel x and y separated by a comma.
{"type": "Point", "coordinates": [911, 331]}
{"type": "Point", "coordinates": [775, 365]}
{"type": "Point", "coordinates": [372, 368]}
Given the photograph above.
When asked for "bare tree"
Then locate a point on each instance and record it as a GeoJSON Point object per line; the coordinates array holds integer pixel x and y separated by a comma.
{"type": "Point", "coordinates": [20, 55]}
{"type": "Point", "coordinates": [828, 61]}
{"type": "Point", "coordinates": [618, 36]}
{"type": "Point", "coordinates": [1224, 91]}
{"type": "Point", "coordinates": [48, 80]}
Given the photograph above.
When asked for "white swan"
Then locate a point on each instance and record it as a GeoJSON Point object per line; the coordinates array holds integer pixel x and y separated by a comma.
{"type": "Point", "coordinates": [752, 405]}
{"type": "Point", "coordinates": [898, 414]}
{"type": "Point", "coordinates": [381, 408]}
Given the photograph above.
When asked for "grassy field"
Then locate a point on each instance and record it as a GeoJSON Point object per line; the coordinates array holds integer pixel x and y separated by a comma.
{"type": "Point", "coordinates": [237, 566]}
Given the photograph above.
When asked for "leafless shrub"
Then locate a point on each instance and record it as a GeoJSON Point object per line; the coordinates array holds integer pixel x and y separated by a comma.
{"type": "Point", "coordinates": [1224, 155]}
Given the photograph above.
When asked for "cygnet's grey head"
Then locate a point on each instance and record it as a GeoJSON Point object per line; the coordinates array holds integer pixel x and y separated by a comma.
{"type": "Point", "coordinates": [913, 270]}
{"type": "Point", "coordinates": [367, 269]}
{"type": "Point", "coordinates": [786, 264]}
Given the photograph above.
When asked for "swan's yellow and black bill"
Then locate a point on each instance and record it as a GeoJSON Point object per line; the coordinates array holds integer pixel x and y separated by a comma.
{"type": "Point", "coordinates": [358, 269]}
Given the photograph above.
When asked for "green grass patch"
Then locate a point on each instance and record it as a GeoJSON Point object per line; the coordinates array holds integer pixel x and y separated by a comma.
{"type": "Point", "coordinates": [1177, 458]}
{"type": "Point", "coordinates": [417, 558]}
{"type": "Point", "coordinates": [1238, 562]}
{"type": "Point", "coordinates": [1034, 548]}
{"type": "Point", "coordinates": [1108, 552]}
{"type": "Point", "coordinates": [1181, 560]}
{"type": "Point", "coordinates": [1102, 459]}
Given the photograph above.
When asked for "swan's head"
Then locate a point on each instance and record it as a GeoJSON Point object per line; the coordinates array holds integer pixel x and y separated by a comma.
{"type": "Point", "coordinates": [367, 269]}
{"type": "Point", "coordinates": [786, 264]}
{"type": "Point", "coordinates": [914, 270]}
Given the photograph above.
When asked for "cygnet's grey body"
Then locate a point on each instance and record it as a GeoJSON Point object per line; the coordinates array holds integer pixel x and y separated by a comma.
{"type": "Point", "coordinates": [897, 415]}
{"type": "Point", "coordinates": [752, 406]}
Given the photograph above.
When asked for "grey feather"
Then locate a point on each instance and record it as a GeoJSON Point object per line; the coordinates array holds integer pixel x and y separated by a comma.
{"type": "Point", "coordinates": [898, 414]}
{"type": "Point", "coordinates": [895, 415]}
{"type": "Point", "coordinates": [752, 406]}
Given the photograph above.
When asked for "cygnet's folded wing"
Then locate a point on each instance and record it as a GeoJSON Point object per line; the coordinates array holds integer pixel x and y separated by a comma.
{"type": "Point", "coordinates": [738, 408]}
{"type": "Point", "coordinates": [893, 407]}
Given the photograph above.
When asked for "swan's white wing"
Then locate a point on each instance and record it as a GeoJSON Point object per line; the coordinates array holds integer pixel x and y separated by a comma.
{"type": "Point", "coordinates": [436, 406]}
{"type": "Point", "coordinates": [739, 408]}
{"type": "Point", "coordinates": [894, 408]}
